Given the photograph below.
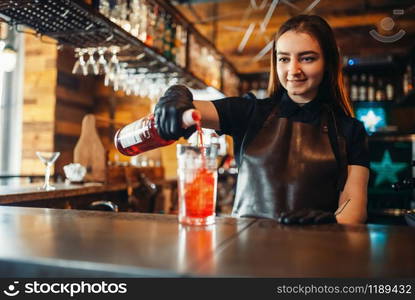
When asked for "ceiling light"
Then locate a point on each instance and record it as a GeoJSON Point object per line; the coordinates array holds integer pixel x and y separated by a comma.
{"type": "Point", "coordinates": [8, 57]}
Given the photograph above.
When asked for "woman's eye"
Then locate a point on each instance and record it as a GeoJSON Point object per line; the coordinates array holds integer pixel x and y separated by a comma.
{"type": "Point", "coordinates": [308, 59]}
{"type": "Point", "coordinates": [282, 59]}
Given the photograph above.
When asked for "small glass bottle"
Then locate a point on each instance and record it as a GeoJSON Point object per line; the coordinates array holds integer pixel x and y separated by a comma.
{"type": "Point", "coordinates": [371, 89]}
{"type": "Point", "coordinates": [389, 91]}
{"type": "Point", "coordinates": [380, 91]}
{"type": "Point", "coordinates": [181, 40]}
{"type": "Point", "coordinates": [363, 88]}
{"type": "Point", "coordinates": [141, 135]}
{"type": "Point", "coordinates": [354, 91]}
{"type": "Point", "coordinates": [407, 80]}
{"type": "Point", "coordinates": [168, 38]}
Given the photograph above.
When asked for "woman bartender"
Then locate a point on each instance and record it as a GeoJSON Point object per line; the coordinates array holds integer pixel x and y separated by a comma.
{"type": "Point", "coordinates": [302, 158]}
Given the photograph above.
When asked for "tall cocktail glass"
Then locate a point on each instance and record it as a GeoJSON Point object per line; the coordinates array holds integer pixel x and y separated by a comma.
{"type": "Point", "coordinates": [197, 184]}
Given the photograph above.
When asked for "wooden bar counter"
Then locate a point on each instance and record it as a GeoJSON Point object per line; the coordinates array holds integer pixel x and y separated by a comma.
{"type": "Point", "coordinates": [31, 192]}
{"type": "Point", "coordinates": [77, 196]}
{"type": "Point", "coordinates": [38, 242]}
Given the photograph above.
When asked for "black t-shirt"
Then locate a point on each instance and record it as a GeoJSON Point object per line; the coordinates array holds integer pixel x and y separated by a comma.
{"type": "Point", "coordinates": [237, 114]}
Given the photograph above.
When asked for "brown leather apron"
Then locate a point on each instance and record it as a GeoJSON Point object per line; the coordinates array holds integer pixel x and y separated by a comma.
{"type": "Point", "coordinates": [287, 166]}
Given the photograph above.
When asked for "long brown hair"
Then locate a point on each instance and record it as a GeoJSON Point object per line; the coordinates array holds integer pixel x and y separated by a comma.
{"type": "Point", "coordinates": [332, 84]}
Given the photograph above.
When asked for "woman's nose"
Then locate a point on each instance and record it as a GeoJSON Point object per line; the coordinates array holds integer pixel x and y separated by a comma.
{"type": "Point", "coordinates": [294, 68]}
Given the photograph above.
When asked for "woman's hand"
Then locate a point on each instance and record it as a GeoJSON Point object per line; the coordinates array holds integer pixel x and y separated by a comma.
{"type": "Point", "coordinates": [307, 216]}
{"type": "Point", "coordinates": [169, 110]}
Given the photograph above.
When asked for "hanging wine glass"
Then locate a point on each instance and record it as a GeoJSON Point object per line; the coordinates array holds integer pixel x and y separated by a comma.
{"type": "Point", "coordinates": [91, 64]}
{"type": "Point", "coordinates": [113, 67]}
{"type": "Point", "coordinates": [123, 16]}
{"type": "Point", "coordinates": [145, 88]}
{"type": "Point", "coordinates": [102, 64]}
{"type": "Point", "coordinates": [120, 76]}
{"type": "Point", "coordinates": [79, 67]}
{"type": "Point", "coordinates": [104, 7]}
{"type": "Point", "coordinates": [139, 84]}
{"type": "Point", "coordinates": [131, 81]}
{"type": "Point", "coordinates": [134, 17]}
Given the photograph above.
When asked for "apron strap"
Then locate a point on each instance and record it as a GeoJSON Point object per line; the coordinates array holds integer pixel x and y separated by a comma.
{"type": "Point", "coordinates": [338, 143]}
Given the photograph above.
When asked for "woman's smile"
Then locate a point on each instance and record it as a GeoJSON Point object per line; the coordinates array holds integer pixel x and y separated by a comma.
{"type": "Point", "coordinates": [296, 81]}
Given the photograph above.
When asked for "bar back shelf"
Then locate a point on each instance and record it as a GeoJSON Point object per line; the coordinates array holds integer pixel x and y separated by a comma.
{"type": "Point", "coordinates": [76, 24]}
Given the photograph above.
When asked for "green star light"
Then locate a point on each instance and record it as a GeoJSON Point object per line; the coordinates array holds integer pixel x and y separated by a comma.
{"type": "Point", "coordinates": [387, 170]}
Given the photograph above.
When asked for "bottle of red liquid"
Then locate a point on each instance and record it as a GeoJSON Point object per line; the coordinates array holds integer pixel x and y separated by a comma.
{"type": "Point", "coordinates": [141, 135]}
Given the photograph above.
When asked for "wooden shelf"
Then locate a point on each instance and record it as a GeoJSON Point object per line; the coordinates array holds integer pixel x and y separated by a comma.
{"type": "Point", "coordinates": [76, 24]}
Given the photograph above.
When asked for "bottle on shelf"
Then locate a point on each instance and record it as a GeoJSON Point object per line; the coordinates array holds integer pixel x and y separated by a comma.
{"type": "Point", "coordinates": [407, 80]}
{"type": "Point", "coordinates": [180, 45]}
{"type": "Point", "coordinates": [142, 35]}
{"type": "Point", "coordinates": [104, 8]}
{"type": "Point", "coordinates": [168, 37]}
{"type": "Point", "coordinates": [371, 89]}
{"type": "Point", "coordinates": [141, 135]}
{"type": "Point", "coordinates": [405, 86]}
{"type": "Point", "coordinates": [389, 91]}
{"type": "Point", "coordinates": [354, 91]}
{"type": "Point", "coordinates": [380, 91]}
{"type": "Point", "coordinates": [173, 46]}
{"type": "Point", "coordinates": [151, 25]}
{"type": "Point", "coordinates": [362, 88]}
{"type": "Point", "coordinates": [134, 17]}
{"type": "Point", "coordinates": [159, 28]}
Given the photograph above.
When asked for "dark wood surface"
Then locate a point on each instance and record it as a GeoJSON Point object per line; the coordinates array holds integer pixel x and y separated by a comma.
{"type": "Point", "coordinates": [31, 192]}
{"type": "Point", "coordinates": [268, 249]}
{"type": "Point", "coordinates": [127, 243]}
{"type": "Point", "coordinates": [133, 244]}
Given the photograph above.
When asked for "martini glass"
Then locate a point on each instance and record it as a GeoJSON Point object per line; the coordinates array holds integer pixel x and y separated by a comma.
{"type": "Point", "coordinates": [48, 158]}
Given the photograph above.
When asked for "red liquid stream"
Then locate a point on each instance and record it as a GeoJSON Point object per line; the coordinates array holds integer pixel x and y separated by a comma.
{"type": "Point", "coordinates": [199, 193]}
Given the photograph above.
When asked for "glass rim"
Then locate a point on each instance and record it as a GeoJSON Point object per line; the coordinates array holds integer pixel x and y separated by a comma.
{"type": "Point", "coordinates": [210, 150]}
{"type": "Point", "coordinates": [190, 146]}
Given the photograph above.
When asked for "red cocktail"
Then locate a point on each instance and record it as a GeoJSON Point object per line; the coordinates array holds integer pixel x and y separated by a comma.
{"type": "Point", "coordinates": [197, 179]}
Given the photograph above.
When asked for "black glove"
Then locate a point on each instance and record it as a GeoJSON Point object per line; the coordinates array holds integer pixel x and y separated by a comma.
{"type": "Point", "coordinates": [169, 110]}
{"type": "Point", "coordinates": [307, 216]}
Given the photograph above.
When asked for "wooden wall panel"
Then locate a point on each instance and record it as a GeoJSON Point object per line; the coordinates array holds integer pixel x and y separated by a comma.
{"type": "Point", "coordinates": [69, 114]}
{"type": "Point", "coordinates": [66, 96]}
{"type": "Point", "coordinates": [39, 103]}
